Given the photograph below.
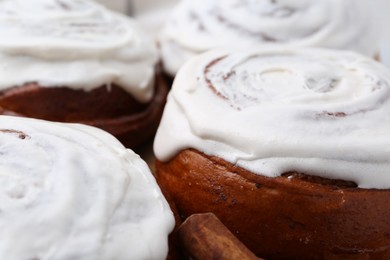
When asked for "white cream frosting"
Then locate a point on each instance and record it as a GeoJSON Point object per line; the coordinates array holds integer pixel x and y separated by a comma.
{"type": "Point", "coordinates": [73, 43]}
{"type": "Point", "coordinates": [74, 192]}
{"type": "Point", "coordinates": [277, 110]}
{"type": "Point", "coordinates": [198, 26]}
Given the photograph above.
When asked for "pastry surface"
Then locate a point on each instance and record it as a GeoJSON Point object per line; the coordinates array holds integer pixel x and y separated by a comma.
{"type": "Point", "coordinates": [109, 108]}
{"type": "Point", "coordinates": [288, 147]}
{"type": "Point", "coordinates": [287, 217]}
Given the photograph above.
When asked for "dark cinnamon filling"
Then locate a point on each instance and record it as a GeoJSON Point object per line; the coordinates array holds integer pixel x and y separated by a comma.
{"type": "Point", "coordinates": [20, 134]}
{"type": "Point", "coordinates": [208, 81]}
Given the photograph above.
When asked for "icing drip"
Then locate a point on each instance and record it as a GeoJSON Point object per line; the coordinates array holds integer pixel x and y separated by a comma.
{"type": "Point", "coordinates": [73, 43]}
{"type": "Point", "coordinates": [198, 26]}
{"type": "Point", "coordinates": [74, 192]}
{"type": "Point", "coordinates": [318, 112]}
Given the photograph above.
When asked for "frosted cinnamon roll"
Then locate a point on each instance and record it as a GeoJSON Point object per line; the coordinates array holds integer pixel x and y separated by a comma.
{"type": "Point", "coordinates": [288, 147]}
{"type": "Point", "coordinates": [75, 61]}
{"type": "Point", "coordinates": [72, 191]}
{"type": "Point", "coordinates": [198, 26]}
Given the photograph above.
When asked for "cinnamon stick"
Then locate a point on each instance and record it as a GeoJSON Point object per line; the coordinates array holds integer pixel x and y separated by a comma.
{"type": "Point", "coordinates": [203, 236]}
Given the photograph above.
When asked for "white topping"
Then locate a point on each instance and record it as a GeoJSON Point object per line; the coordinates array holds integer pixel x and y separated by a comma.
{"type": "Point", "coordinates": [74, 192]}
{"type": "Point", "coordinates": [272, 111]}
{"type": "Point", "coordinates": [74, 43]}
{"type": "Point", "coordinates": [198, 26]}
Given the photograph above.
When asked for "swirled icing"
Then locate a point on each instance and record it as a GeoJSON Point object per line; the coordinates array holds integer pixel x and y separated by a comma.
{"type": "Point", "coordinates": [276, 110]}
{"type": "Point", "coordinates": [198, 26]}
{"type": "Point", "coordinates": [74, 192]}
{"type": "Point", "coordinates": [73, 43]}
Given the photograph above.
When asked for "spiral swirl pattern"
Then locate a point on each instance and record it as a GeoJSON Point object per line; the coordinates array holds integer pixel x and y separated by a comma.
{"type": "Point", "coordinates": [73, 43]}
{"type": "Point", "coordinates": [278, 110]}
{"type": "Point", "coordinates": [198, 26]}
{"type": "Point", "coordinates": [74, 192]}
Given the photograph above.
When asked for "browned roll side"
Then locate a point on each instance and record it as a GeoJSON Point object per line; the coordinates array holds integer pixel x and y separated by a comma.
{"type": "Point", "coordinates": [109, 108]}
{"type": "Point", "coordinates": [289, 217]}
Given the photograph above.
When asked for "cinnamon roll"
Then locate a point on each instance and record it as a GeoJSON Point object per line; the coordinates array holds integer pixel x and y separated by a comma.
{"type": "Point", "coordinates": [288, 147]}
{"type": "Point", "coordinates": [71, 191]}
{"type": "Point", "coordinates": [75, 61]}
{"type": "Point", "coordinates": [198, 26]}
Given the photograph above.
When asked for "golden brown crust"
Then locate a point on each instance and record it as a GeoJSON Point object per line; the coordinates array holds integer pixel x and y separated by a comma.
{"type": "Point", "coordinates": [286, 217]}
{"type": "Point", "coordinates": [109, 108]}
